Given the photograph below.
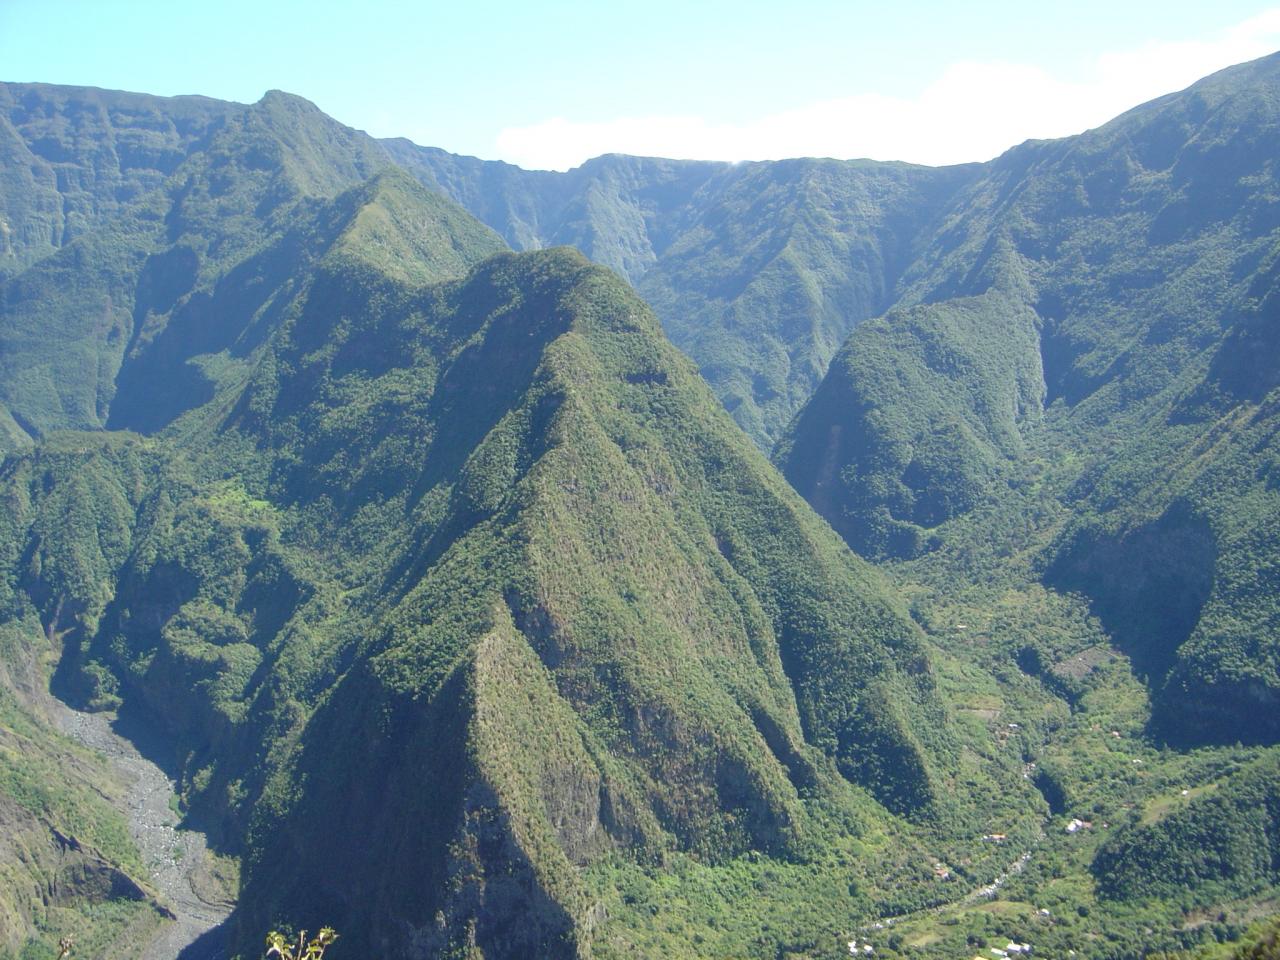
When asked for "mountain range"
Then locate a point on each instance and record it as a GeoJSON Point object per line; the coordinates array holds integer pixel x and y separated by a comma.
{"type": "Point", "coordinates": [453, 577]}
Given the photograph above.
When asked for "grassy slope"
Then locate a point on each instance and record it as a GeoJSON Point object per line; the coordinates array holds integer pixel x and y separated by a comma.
{"type": "Point", "coordinates": [69, 865]}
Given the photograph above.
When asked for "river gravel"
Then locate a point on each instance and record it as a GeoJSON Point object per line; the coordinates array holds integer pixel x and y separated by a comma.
{"type": "Point", "coordinates": [172, 855]}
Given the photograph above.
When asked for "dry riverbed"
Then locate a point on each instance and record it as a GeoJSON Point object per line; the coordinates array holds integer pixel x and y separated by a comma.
{"type": "Point", "coordinates": [188, 877]}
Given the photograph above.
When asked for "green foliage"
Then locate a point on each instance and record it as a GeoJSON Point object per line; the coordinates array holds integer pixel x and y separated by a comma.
{"type": "Point", "coordinates": [60, 784]}
{"type": "Point", "coordinates": [452, 544]}
{"type": "Point", "coordinates": [599, 477]}
{"type": "Point", "coordinates": [68, 866]}
{"type": "Point", "coordinates": [1225, 843]}
{"type": "Point", "coordinates": [280, 946]}
{"type": "Point", "coordinates": [777, 264]}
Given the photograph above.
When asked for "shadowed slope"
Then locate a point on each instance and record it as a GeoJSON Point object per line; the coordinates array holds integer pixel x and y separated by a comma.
{"type": "Point", "coordinates": [71, 321]}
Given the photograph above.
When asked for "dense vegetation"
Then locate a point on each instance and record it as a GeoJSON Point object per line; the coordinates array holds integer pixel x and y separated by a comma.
{"type": "Point", "coordinates": [758, 271]}
{"type": "Point", "coordinates": [479, 628]}
{"type": "Point", "coordinates": [1096, 324]}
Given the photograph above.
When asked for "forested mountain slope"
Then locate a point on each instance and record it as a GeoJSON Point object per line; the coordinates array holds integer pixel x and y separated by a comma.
{"type": "Point", "coordinates": [1101, 310]}
{"type": "Point", "coordinates": [480, 564]}
{"type": "Point", "coordinates": [480, 628]}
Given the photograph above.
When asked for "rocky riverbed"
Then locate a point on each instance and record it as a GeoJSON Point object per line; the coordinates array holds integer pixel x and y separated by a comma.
{"type": "Point", "coordinates": [178, 860]}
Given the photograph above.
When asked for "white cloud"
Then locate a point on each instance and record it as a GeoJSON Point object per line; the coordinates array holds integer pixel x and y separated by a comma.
{"type": "Point", "coordinates": [972, 111]}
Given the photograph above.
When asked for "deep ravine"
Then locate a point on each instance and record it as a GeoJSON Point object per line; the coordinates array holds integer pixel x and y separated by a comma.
{"type": "Point", "coordinates": [177, 859]}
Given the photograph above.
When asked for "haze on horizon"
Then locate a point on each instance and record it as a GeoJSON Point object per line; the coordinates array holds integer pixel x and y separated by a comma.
{"type": "Point", "coordinates": [549, 86]}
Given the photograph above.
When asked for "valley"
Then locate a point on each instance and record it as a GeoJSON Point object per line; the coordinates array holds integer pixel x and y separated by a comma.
{"type": "Point", "coordinates": [182, 870]}
{"type": "Point", "coordinates": [662, 558]}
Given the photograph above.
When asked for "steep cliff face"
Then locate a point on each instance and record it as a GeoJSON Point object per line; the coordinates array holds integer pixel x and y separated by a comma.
{"type": "Point", "coordinates": [779, 265]}
{"type": "Point", "coordinates": [48, 873]}
{"type": "Point", "coordinates": [758, 271]}
{"type": "Point", "coordinates": [73, 157]}
{"type": "Point", "coordinates": [623, 212]}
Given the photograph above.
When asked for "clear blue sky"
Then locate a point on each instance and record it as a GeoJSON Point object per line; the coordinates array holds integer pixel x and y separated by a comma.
{"type": "Point", "coordinates": [457, 75]}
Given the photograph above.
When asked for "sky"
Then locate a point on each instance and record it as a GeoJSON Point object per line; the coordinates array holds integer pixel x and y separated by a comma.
{"type": "Point", "coordinates": [549, 84]}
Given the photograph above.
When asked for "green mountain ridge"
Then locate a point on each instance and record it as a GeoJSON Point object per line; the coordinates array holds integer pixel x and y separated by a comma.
{"type": "Point", "coordinates": [531, 559]}
{"type": "Point", "coordinates": [757, 270]}
{"type": "Point", "coordinates": [841, 233]}
{"type": "Point", "coordinates": [406, 498]}
{"type": "Point", "coordinates": [1136, 261]}
{"type": "Point", "coordinates": [478, 626]}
